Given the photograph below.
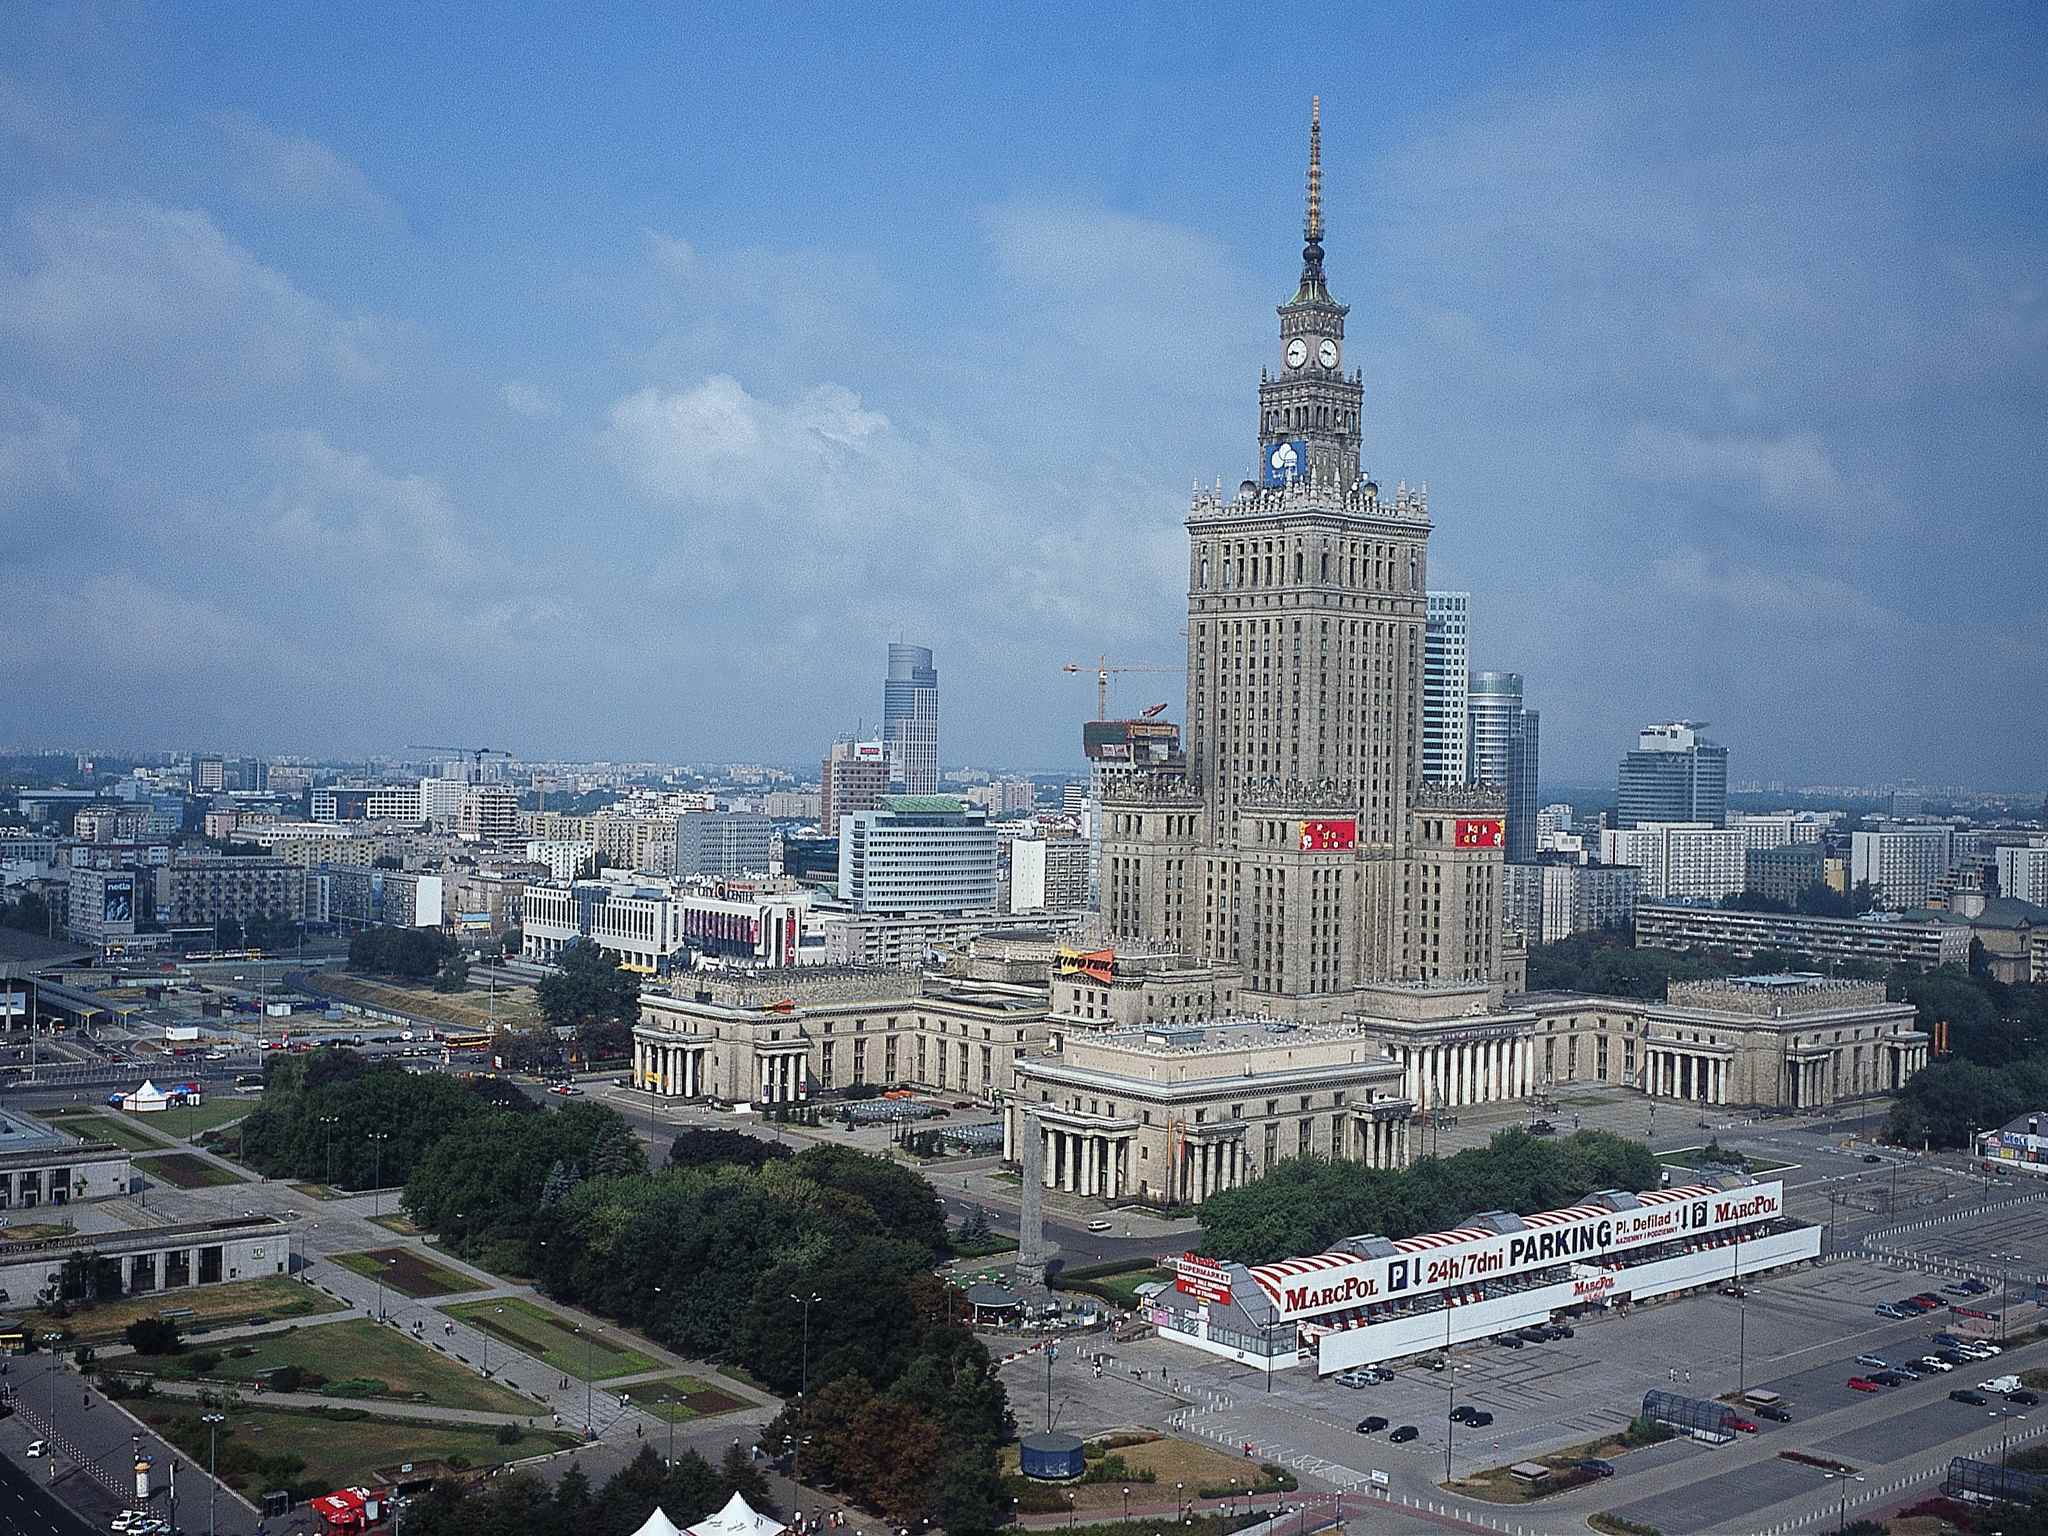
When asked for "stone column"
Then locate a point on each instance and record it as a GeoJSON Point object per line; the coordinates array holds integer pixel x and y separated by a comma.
{"type": "Point", "coordinates": [1050, 1157]}
{"type": "Point", "coordinates": [1010, 1134]}
{"type": "Point", "coordinates": [1091, 1164]}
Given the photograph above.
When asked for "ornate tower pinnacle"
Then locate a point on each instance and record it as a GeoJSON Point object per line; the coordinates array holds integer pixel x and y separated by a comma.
{"type": "Point", "coordinates": [1313, 288]}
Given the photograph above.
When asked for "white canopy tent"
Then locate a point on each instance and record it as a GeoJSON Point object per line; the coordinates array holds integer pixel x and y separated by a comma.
{"type": "Point", "coordinates": [738, 1518]}
{"type": "Point", "coordinates": [147, 1099]}
{"type": "Point", "coordinates": [659, 1524]}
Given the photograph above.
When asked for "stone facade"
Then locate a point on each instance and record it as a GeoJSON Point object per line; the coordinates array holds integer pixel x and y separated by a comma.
{"type": "Point", "coordinates": [779, 1036]}
{"type": "Point", "coordinates": [1172, 1115]}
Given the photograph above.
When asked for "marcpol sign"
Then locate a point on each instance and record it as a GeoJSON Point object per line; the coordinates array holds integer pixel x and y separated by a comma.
{"type": "Point", "coordinates": [1332, 1282]}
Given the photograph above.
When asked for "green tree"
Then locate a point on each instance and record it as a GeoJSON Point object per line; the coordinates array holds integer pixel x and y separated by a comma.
{"type": "Point", "coordinates": [700, 1146]}
{"type": "Point", "coordinates": [152, 1335]}
{"type": "Point", "coordinates": [453, 975]}
{"type": "Point", "coordinates": [590, 994]}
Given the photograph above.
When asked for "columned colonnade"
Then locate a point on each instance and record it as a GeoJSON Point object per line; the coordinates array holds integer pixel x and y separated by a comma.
{"type": "Point", "coordinates": [1089, 1162]}
{"type": "Point", "coordinates": [1695, 1076]}
{"type": "Point", "coordinates": [674, 1069]}
{"type": "Point", "coordinates": [1468, 1071]}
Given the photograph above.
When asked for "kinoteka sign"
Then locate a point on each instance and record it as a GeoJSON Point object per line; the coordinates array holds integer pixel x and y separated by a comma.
{"type": "Point", "coordinates": [1581, 1242]}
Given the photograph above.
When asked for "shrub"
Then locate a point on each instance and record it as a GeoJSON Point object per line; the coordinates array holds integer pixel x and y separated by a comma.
{"type": "Point", "coordinates": [287, 1378]}
{"type": "Point", "coordinates": [508, 1434]}
{"type": "Point", "coordinates": [152, 1335]}
{"type": "Point", "coordinates": [241, 1352]}
{"type": "Point", "coordinates": [1642, 1432]}
{"type": "Point", "coordinates": [203, 1362]}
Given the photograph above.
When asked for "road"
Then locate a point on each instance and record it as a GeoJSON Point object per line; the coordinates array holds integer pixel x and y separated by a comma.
{"type": "Point", "coordinates": [28, 1509]}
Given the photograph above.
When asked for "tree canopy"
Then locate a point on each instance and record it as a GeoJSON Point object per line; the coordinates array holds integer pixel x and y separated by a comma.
{"type": "Point", "coordinates": [686, 1491]}
{"type": "Point", "coordinates": [415, 954]}
{"type": "Point", "coordinates": [592, 995]}
{"type": "Point", "coordinates": [1306, 1204]}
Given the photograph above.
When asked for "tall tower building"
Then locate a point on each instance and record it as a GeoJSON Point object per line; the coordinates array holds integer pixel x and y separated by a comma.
{"type": "Point", "coordinates": [910, 719]}
{"type": "Point", "coordinates": [1300, 843]}
{"type": "Point", "coordinates": [1501, 750]}
{"type": "Point", "coordinates": [1446, 675]}
{"type": "Point", "coordinates": [1675, 774]}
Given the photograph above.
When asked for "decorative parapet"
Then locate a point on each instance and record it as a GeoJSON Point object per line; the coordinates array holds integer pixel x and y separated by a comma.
{"type": "Point", "coordinates": [1172, 790]}
{"type": "Point", "coordinates": [1456, 797]}
{"type": "Point", "coordinates": [1408, 504]}
{"type": "Point", "coordinates": [1760, 997]}
{"type": "Point", "coordinates": [799, 985]}
{"type": "Point", "coordinates": [1274, 794]}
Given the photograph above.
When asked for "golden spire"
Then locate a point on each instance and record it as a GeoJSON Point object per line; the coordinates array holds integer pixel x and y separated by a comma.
{"type": "Point", "coordinates": [1314, 228]}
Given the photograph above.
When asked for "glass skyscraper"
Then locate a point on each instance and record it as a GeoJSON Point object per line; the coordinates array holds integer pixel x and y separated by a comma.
{"type": "Point", "coordinates": [1501, 751]}
{"type": "Point", "coordinates": [1675, 774]}
{"type": "Point", "coordinates": [910, 719]}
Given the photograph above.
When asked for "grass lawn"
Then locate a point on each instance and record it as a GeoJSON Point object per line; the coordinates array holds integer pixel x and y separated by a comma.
{"type": "Point", "coordinates": [235, 1301]}
{"type": "Point", "coordinates": [408, 1272]}
{"type": "Point", "coordinates": [122, 1130]}
{"type": "Point", "coordinates": [1696, 1157]}
{"type": "Point", "coordinates": [333, 1449]}
{"type": "Point", "coordinates": [399, 1222]}
{"type": "Point", "coordinates": [1122, 1284]}
{"type": "Point", "coordinates": [187, 1171]}
{"type": "Point", "coordinates": [359, 1358]}
{"type": "Point", "coordinates": [35, 1231]}
{"type": "Point", "coordinates": [525, 1326]}
{"type": "Point", "coordinates": [688, 1398]}
{"type": "Point", "coordinates": [321, 1191]}
{"type": "Point", "coordinates": [185, 1123]}
{"type": "Point", "coordinates": [1496, 1486]}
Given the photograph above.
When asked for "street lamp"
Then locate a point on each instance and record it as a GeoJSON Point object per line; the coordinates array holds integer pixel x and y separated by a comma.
{"type": "Point", "coordinates": [377, 1177]}
{"type": "Point", "coordinates": [382, 1265]}
{"type": "Point", "coordinates": [796, 1497]}
{"type": "Point", "coordinates": [213, 1422]}
{"type": "Point", "coordinates": [329, 1122]}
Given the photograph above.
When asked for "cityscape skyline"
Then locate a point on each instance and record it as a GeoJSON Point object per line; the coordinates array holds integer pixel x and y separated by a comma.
{"type": "Point", "coordinates": [322, 532]}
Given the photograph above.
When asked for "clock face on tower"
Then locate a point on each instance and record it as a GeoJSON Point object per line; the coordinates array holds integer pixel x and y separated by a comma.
{"type": "Point", "coordinates": [1326, 354]}
{"type": "Point", "coordinates": [1297, 352]}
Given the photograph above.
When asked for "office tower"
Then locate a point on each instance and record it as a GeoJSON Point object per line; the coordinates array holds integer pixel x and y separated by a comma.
{"type": "Point", "coordinates": [910, 719]}
{"type": "Point", "coordinates": [1446, 679]}
{"type": "Point", "coordinates": [1299, 842]}
{"type": "Point", "coordinates": [918, 854]}
{"type": "Point", "coordinates": [1049, 874]}
{"type": "Point", "coordinates": [1902, 863]}
{"type": "Point", "coordinates": [853, 777]}
{"type": "Point", "coordinates": [2023, 872]}
{"type": "Point", "coordinates": [723, 843]}
{"type": "Point", "coordinates": [208, 773]}
{"type": "Point", "coordinates": [1501, 751]}
{"type": "Point", "coordinates": [1674, 774]}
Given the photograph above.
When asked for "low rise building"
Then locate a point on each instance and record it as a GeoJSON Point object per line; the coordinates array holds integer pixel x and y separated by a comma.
{"type": "Point", "coordinates": [1924, 939]}
{"type": "Point", "coordinates": [354, 895]}
{"type": "Point", "coordinates": [782, 1037]}
{"type": "Point", "coordinates": [210, 887]}
{"type": "Point", "coordinates": [101, 905]}
{"type": "Point", "coordinates": [152, 1259]}
{"type": "Point", "coordinates": [1555, 898]}
{"type": "Point", "coordinates": [59, 1174]}
{"type": "Point", "coordinates": [1784, 871]}
{"type": "Point", "coordinates": [1172, 1114]}
{"type": "Point", "coordinates": [918, 854]}
{"type": "Point", "coordinates": [2021, 1144]}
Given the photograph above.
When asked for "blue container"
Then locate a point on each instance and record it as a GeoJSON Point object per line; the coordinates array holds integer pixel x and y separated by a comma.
{"type": "Point", "coordinates": [1051, 1457]}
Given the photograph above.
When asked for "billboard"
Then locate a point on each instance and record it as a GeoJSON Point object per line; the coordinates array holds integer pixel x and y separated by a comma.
{"type": "Point", "coordinates": [1332, 836]}
{"type": "Point", "coordinates": [1204, 1279]}
{"type": "Point", "coordinates": [1095, 964]}
{"type": "Point", "coordinates": [1479, 832]}
{"type": "Point", "coordinates": [117, 901]}
{"type": "Point", "coordinates": [870, 752]}
{"type": "Point", "coordinates": [1581, 1237]}
{"type": "Point", "coordinates": [1282, 461]}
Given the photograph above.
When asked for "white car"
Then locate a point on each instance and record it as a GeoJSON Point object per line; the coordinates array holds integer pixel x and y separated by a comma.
{"type": "Point", "coordinates": [38, 1448]}
{"type": "Point", "coordinates": [1935, 1363]}
{"type": "Point", "coordinates": [127, 1520]}
{"type": "Point", "coordinates": [1353, 1379]}
{"type": "Point", "coordinates": [1988, 1347]}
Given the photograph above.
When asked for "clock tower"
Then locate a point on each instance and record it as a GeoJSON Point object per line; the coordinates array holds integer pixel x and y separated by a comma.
{"type": "Point", "coordinates": [1309, 411]}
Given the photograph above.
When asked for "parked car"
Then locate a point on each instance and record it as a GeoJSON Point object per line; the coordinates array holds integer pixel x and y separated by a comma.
{"type": "Point", "coordinates": [1597, 1467]}
{"type": "Point", "coordinates": [1353, 1379]}
{"type": "Point", "coordinates": [37, 1448]}
{"type": "Point", "coordinates": [1863, 1384]}
{"type": "Point", "coordinates": [1876, 1362]}
{"type": "Point", "coordinates": [1745, 1426]}
{"type": "Point", "coordinates": [1872, 1157]}
{"type": "Point", "coordinates": [1966, 1395]}
{"type": "Point", "coordinates": [1542, 1128]}
{"type": "Point", "coordinates": [1404, 1434]}
{"type": "Point", "coordinates": [1508, 1340]}
{"type": "Point", "coordinates": [1478, 1418]}
{"type": "Point", "coordinates": [1974, 1287]}
{"type": "Point", "coordinates": [1534, 1334]}
{"type": "Point", "coordinates": [1988, 1347]}
{"type": "Point", "coordinates": [1371, 1424]}
{"type": "Point", "coordinates": [1562, 1330]}
{"type": "Point", "coordinates": [2024, 1397]}
{"type": "Point", "coordinates": [1936, 1363]}
{"type": "Point", "coordinates": [1929, 1299]}
{"type": "Point", "coordinates": [1888, 1378]}
{"type": "Point", "coordinates": [1950, 1339]}
{"type": "Point", "coordinates": [1957, 1290]}
{"type": "Point", "coordinates": [1889, 1309]}
{"type": "Point", "coordinates": [1778, 1413]}
{"type": "Point", "coordinates": [1911, 1373]}
{"type": "Point", "coordinates": [1099, 1224]}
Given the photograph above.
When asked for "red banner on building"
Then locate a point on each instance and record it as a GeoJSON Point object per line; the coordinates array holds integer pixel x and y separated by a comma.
{"type": "Point", "coordinates": [1202, 1278]}
{"type": "Point", "coordinates": [1329, 836]}
{"type": "Point", "coordinates": [1476, 833]}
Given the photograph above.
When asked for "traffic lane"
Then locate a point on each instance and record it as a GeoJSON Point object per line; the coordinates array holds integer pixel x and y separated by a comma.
{"type": "Point", "coordinates": [1918, 1429]}
{"type": "Point", "coordinates": [1718, 1501]}
{"type": "Point", "coordinates": [27, 1508]}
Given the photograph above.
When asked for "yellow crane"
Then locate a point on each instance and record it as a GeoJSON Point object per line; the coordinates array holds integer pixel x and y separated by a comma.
{"type": "Point", "coordinates": [1103, 667]}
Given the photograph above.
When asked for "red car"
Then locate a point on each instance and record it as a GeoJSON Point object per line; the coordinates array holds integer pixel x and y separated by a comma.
{"type": "Point", "coordinates": [1746, 1426]}
{"type": "Point", "coordinates": [1863, 1384]}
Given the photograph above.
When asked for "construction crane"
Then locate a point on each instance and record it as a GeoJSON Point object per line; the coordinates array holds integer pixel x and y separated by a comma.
{"type": "Point", "coordinates": [475, 754]}
{"type": "Point", "coordinates": [1102, 669]}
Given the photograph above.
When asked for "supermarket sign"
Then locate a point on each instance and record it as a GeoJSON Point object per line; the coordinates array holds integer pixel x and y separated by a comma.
{"type": "Point", "coordinates": [1204, 1279]}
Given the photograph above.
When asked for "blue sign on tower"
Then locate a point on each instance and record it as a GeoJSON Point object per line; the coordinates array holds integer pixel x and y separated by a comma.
{"type": "Point", "coordinates": [1283, 461]}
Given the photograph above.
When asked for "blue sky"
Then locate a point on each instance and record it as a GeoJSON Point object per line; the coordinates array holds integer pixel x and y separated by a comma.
{"type": "Point", "coordinates": [619, 380]}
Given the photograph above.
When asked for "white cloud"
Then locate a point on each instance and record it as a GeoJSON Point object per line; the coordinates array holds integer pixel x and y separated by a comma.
{"type": "Point", "coordinates": [37, 443]}
{"type": "Point", "coordinates": [1787, 599]}
{"type": "Point", "coordinates": [292, 169]}
{"type": "Point", "coordinates": [524, 399]}
{"type": "Point", "coordinates": [115, 284]}
{"type": "Point", "coordinates": [1792, 471]}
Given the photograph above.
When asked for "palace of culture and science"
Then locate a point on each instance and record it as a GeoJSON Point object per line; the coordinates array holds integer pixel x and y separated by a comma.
{"type": "Point", "coordinates": [1300, 946]}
